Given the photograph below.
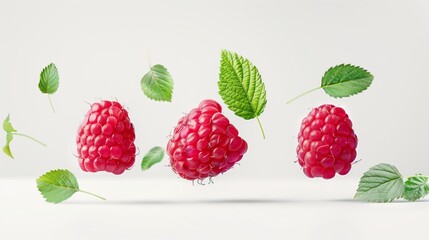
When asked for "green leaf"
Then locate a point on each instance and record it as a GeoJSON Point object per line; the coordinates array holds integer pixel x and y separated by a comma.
{"type": "Point", "coordinates": [6, 148]}
{"type": "Point", "coordinates": [416, 187]}
{"type": "Point", "coordinates": [7, 125]}
{"type": "Point", "coordinates": [241, 86]}
{"type": "Point", "coordinates": [49, 79]}
{"type": "Point", "coordinates": [59, 185]}
{"type": "Point", "coordinates": [346, 80]}
{"type": "Point", "coordinates": [381, 183]}
{"type": "Point", "coordinates": [157, 84]}
{"type": "Point", "coordinates": [155, 155]}
{"type": "Point", "coordinates": [343, 81]}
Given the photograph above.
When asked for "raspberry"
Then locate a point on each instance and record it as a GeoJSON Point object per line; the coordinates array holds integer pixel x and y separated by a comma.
{"type": "Point", "coordinates": [105, 139]}
{"type": "Point", "coordinates": [326, 142]}
{"type": "Point", "coordinates": [204, 143]}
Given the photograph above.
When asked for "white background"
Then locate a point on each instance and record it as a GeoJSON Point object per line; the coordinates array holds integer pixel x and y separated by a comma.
{"type": "Point", "coordinates": [101, 49]}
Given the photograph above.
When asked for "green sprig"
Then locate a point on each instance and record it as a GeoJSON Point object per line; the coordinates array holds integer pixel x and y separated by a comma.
{"type": "Point", "coordinates": [10, 133]}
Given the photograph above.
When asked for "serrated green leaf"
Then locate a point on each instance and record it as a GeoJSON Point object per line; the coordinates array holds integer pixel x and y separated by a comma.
{"type": "Point", "coordinates": [381, 183]}
{"type": "Point", "coordinates": [49, 79]}
{"type": "Point", "coordinates": [6, 148]}
{"type": "Point", "coordinates": [157, 84]}
{"type": "Point", "coordinates": [155, 155]}
{"type": "Point", "coordinates": [241, 86]}
{"type": "Point", "coordinates": [7, 125]}
{"type": "Point", "coordinates": [57, 185]}
{"type": "Point", "coordinates": [346, 80]}
{"type": "Point", "coordinates": [416, 187]}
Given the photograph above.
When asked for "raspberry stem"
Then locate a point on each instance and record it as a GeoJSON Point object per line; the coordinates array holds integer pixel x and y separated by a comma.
{"type": "Point", "coordinates": [92, 194]}
{"type": "Point", "coordinates": [29, 137]}
{"type": "Point", "coordinates": [260, 126]}
{"type": "Point", "coordinates": [302, 94]}
{"type": "Point", "coordinates": [50, 102]}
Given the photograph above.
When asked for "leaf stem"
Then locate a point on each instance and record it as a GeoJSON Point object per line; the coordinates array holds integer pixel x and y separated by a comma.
{"type": "Point", "coordinates": [302, 94]}
{"type": "Point", "coordinates": [148, 59]}
{"type": "Point", "coordinates": [92, 194]}
{"type": "Point", "coordinates": [50, 102]}
{"type": "Point", "coordinates": [30, 137]}
{"type": "Point", "coordinates": [260, 126]}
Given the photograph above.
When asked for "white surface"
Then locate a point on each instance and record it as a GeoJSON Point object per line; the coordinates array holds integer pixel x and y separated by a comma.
{"type": "Point", "coordinates": [101, 48]}
{"type": "Point", "coordinates": [174, 209]}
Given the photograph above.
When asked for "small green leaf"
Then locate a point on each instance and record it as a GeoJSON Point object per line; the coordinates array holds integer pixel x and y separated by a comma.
{"type": "Point", "coordinates": [381, 183]}
{"type": "Point", "coordinates": [6, 148]}
{"type": "Point", "coordinates": [343, 81]}
{"type": "Point", "coordinates": [346, 80]}
{"type": "Point", "coordinates": [59, 185]}
{"type": "Point", "coordinates": [416, 187]}
{"type": "Point", "coordinates": [157, 84]}
{"type": "Point", "coordinates": [155, 155]}
{"type": "Point", "coordinates": [241, 86]}
{"type": "Point", "coordinates": [49, 79]}
{"type": "Point", "coordinates": [7, 125]}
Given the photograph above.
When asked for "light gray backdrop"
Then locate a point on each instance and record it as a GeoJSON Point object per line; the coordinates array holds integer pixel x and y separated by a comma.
{"type": "Point", "coordinates": [101, 49]}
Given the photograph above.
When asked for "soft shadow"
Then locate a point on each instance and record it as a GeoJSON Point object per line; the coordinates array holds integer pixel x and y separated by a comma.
{"type": "Point", "coordinates": [238, 201]}
{"type": "Point", "coordinates": [345, 200]}
{"type": "Point", "coordinates": [232, 201]}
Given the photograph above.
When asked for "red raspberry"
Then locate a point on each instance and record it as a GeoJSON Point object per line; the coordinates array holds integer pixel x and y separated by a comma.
{"type": "Point", "coordinates": [105, 139]}
{"type": "Point", "coordinates": [204, 143]}
{"type": "Point", "coordinates": [326, 142]}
